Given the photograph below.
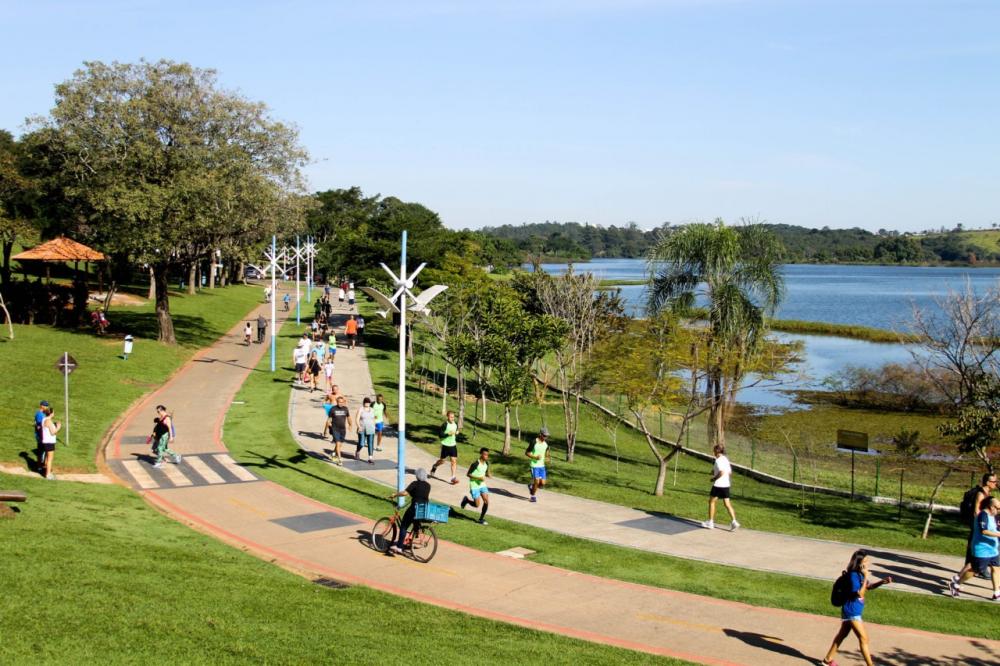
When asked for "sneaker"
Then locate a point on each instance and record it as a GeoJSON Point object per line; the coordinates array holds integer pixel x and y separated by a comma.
{"type": "Point", "coordinates": [483, 522]}
{"type": "Point", "coordinates": [996, 596]}
{"type": "Point", "coordinates": [178, 458]}
{"type": "Point", "coordinates": [157, 465]}
{"type": "Point", "coordinates": [454, 480]}
{"type": "Point", "coordinates": [339, 461]}
{"type": "Point", "coordinates": [733, 526]}
{"type": "Point", "coordinates": [50, 476]}
{"type": "Point", "coordinates": [378, 448]}
{"type": "Point", "coordinates": [708, 525]}
{"type": "Point", "coordinates": [954, 587]}
{"type": "Point", "coordinates": [465, 500]}
{"type": "Point", "coordinates": [533, 499]}
{"type": "Point", "coordinates": [395, 550]}
{"type": "Point", "coordinates": [371, 462]}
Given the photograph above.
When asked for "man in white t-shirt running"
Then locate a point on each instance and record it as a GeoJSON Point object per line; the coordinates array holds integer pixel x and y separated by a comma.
{"type": "Point", "coordinates": [722, 472]}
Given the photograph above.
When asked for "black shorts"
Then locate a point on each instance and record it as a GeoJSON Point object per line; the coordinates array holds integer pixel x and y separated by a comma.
{"type": "Point", "coordinates": [300, 367]}
{"type": "Point", "coordinates": [721, 493]}
{"type": "Point", "coordinates": [338, 435]}
{"type": "Point", "coordinates": [48, 446]}
{"type": "Point", "coordinates": [449, 452]}
{"type": "Point", "coordinates": [350, 336]}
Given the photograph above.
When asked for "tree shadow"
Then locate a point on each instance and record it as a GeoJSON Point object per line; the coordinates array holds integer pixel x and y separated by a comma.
{"type": "Point", "coordinates": [273, 462]}
{"type": "Point", "coordinates": [902, 657]}
{"type": "Point", "coordinates": [769, 644]}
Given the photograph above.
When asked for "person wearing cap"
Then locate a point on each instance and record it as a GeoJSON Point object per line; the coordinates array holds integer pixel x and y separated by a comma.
{"type": "Point", "coordinates": [39, 417]}
{"type": "Point", "coordinates": [418, 491]}
{"type": "Point", "coordinates": [538, 454]}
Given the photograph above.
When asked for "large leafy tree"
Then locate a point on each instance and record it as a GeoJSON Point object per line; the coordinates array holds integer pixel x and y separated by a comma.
{"type": "Point", "coordinates": [17, 193]}
{"type": "Point", "coordinates": [165, 166]}
{"type": "Point", "coordinates": [735, 273]}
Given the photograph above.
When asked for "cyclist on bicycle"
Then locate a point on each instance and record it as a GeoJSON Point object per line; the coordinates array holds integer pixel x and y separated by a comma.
{"type": "Point", "coordinates": [417, 491]}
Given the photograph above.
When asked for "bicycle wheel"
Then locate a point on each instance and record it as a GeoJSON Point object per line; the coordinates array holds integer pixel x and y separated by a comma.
{"type": "Point", "coordinates": [383, 534]}
{"type": "Point", "coordinates": [423, 544]}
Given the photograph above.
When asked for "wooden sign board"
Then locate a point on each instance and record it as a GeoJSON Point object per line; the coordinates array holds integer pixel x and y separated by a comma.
{"type": "Point", "coordinates": [852, 440]}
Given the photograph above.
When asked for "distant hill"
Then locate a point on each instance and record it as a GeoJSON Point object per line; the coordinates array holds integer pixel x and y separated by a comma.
{"type": "Point", "coordinates": [572, 241]}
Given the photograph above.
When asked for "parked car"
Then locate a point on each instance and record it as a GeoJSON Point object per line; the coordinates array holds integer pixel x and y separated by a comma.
{"type": "Point", "coordinates": [252, 273]}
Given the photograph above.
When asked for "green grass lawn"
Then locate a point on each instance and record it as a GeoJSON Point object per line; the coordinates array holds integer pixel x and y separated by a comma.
{"type": "Point", "coordinates": [621, 470]}
{"type": "Point", "coordinates": [92, 574]}
{"type": "Point", "coordinates": [103, 385]}
{"type": "Point", "coordinates": [257, 435]}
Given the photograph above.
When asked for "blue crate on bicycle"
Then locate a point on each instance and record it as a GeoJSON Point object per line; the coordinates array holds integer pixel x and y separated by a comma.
{"type": "Point", "coordinates": [431, 512]}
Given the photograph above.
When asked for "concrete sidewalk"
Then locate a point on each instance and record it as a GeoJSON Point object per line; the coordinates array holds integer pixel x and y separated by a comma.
{"type": "Point", "coordinates": [619, 525]}
{"type": "Point", "coordinates": [322, 541]}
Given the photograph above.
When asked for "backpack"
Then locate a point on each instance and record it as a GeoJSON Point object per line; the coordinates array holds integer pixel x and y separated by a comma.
{"type": "Point", "coordinates": [967, 510]}
{"type": "Point", "coordinates": [841, 592]}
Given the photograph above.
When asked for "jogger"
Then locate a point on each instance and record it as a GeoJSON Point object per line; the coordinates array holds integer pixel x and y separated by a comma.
{"type": "Point", "coordinates": [478, 472]}
{"type": "Point", "coordinates": [538, 453]}
{"type": "Point", "coordinates": [449, 447]}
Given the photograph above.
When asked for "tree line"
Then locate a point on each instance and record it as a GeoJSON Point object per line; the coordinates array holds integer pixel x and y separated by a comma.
{"type": "Point", "coordinates": [572, 241]}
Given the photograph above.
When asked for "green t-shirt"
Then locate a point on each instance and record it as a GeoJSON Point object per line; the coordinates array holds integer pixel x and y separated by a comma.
{"type": "Point", "coordinates": [379, 409]}
{"type": "Point", "coordinates": [539, 450]}
{"type": "Point", "coordinates": [478, 468]}
{"type": "Point", "coordinates": [450, 429]}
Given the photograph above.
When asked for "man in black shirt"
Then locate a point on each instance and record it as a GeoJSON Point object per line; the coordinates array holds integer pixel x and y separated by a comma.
{"type": "Point", "coordinates": [338, 423]}
{"type": "Point", "coordinates": [417, 491]}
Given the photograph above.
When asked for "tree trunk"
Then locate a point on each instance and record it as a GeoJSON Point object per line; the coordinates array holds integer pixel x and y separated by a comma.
{"type": "Point", "coordinates": [163, 320]}
{"type": "Point", "coordinates": [8, 247]}
{"type": "Point", "coordinates": [517, 420]}
{"type": "Point", "coordinates": [460, 376]}
{"type": "Point", "coordinates": [192, 278]}
{"type": "Point", "coordinates": [211, 271]}
{"type": "Point", "coordinates": [152, 284]}
{"type": "Point", "coordinates": [506, 430]}
{"type": "Point", "coordinates": [661, 460]}
{"type": "Point", "coordinates": [930, 502]}
{"type": "Point", "coordinates": [444, 393]}
{"type": "Point", "coordinates": [241, 275]}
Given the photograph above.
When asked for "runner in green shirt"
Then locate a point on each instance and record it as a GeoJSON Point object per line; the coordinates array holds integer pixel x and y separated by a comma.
{"type": "Point", "coordinates": [478, 472]}
{"type": "Point", "coordinates": [538, 453]}
{"type": "Point", "coordinates": [449, 447]}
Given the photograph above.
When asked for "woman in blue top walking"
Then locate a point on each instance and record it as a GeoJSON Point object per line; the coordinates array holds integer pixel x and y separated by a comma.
{"type": "Point", "coordinates": [850, 612]}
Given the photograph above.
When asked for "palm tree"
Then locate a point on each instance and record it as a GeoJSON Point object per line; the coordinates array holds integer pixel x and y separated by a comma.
{"type": "Point", "coordinates": [735, 273]}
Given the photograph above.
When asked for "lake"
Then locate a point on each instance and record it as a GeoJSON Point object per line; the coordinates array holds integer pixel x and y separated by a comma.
{"type": "Point", "coordinates": [877, 296]}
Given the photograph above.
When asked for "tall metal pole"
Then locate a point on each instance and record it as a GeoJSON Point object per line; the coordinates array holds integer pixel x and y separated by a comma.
{"type": "Point", "coordinates": [298, 294]}
{"type": "Point", "coordinates": [401, 451]}
{"type": "Point", "coordinates": [309, 270]}
{"type": "Point", "coordinates": [274, 296]}
{"type": "Point", "coordinates": [66, 391]}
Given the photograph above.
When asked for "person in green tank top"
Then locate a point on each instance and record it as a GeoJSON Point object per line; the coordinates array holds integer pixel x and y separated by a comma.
{"type": "Point", "coordinates": [449, 446]}
{"type": "Point", "coordinates": [381, 415]}
{"type": "Point", "coordinates": [538, 454]}
{"type": "Point", "coordinates": [478, 472]}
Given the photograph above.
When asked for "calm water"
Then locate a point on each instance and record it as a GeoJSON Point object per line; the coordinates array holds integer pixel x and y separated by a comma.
{"type": "Point", "coordinates": [878, 296]}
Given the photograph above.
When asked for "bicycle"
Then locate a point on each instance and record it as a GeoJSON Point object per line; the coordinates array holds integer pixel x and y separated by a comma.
{"type": "Point", "coordinates": [420, 543]}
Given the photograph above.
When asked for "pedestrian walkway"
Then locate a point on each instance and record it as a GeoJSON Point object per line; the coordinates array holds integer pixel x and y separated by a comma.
{"type": "Point", "coordinates": [193, 470]}
{"type": "Point", "coordinates": [321, 541]}
{"type": "Point", "coordinates": [78, 477]}
{"type": "Point", "coordinates": [925, 573]}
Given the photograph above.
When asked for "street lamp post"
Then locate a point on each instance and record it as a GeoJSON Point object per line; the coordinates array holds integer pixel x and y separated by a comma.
{"type": "Point", "coordinates": [401, 302]}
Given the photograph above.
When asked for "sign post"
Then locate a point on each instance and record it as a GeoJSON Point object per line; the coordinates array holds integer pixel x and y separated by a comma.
{"type": "Point", "coordinates": [66, 364]}
{"type": "Point", "coordinates": [853, 441]}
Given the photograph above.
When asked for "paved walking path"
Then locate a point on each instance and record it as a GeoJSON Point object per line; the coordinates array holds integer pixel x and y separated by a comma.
{"type": "Point", "coordinates": [323, 541]}
{"type": "Point", "coordinates": [17, 470]}
{"type": "Point", "coordinates": [765, 551]}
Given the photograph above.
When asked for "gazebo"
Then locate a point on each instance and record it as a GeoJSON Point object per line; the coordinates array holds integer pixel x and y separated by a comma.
{"type": "Point", "coordinates": [60, 249]}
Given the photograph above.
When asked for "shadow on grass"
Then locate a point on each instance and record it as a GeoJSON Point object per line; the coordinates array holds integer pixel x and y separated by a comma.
{"type": "Point", "coordinates": [293, 464]}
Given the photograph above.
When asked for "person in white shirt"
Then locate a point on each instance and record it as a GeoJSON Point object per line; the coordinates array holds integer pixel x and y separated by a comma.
{"type": "Point", "coordinates": [300, 356]}
{"type": "Point", "coordinates": [722, 472]}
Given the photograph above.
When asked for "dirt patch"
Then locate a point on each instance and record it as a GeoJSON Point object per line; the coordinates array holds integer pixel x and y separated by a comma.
{"type": "Point", "coordinates": [118, 299]}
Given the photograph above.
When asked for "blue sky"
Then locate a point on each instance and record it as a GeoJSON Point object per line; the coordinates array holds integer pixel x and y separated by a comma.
{"type": "Point", "coordinates": [873, 114]}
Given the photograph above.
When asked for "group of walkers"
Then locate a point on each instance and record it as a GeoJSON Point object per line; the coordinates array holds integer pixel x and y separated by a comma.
{"type": "Point", "coordinates": [368, 423]}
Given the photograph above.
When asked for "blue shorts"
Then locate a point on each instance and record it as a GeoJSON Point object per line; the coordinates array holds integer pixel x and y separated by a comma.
{"type": "Point", "coordinates": [481, 490]}
{"type": "Point", "coordinates": [852, 618]}
{"type": "Point", "coordinates": [378, 426]}
{"type": "Point", "coordinates": [538, 473]}
{"type": "Point", "coordinates": [983, 564]}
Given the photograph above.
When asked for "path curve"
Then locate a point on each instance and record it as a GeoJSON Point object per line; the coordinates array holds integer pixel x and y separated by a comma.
{"type": "Point", "coordinates": [210, 491]}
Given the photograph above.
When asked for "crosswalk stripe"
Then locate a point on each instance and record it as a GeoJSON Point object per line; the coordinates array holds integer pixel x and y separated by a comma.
{"type": "Point", "coordinates": [199, 466]}
{"type": "Point", "coordinates": [241, 473]}
{"type": "Point", "coordinates": [139, 474]}
{"type": "Point", "coordinates": [176, 476]}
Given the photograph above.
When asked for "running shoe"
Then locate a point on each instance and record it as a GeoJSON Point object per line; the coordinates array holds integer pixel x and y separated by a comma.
{"type": "Point", "coordinates": [177, 459]}
{"type": "Point", "coordinates": [371, 462]}
{"type": "Point", "coordinates": [996, 597]}
{"type": "Point", "coordinates": [483, 522]}
{"type": "Point", "coordinates": [708, 525]}
{"type": "Point", "coordinates": [454, 480]}
{"type": "Point", "coordinates": [158, 465]}
{"type": "Point", "coordinates": [954, 587]}
{"type": "Point", "coordinates": [733, 526]}
{"type": "Point", "coordinates": [533, 499]}
{"type": "Point", "coordinates": [465, 500]}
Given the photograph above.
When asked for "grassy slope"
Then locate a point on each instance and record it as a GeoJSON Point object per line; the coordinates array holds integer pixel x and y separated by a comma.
{"type": "Point", "coordinates": [257, 434]}
{"type": "Point", "coordinates": [94, 575]}
{"type": "Point", "coordinates": [103, 384]}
